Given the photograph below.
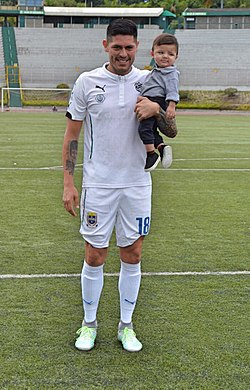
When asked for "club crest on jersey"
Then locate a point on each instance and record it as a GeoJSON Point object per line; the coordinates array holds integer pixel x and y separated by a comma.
{"type": "Point", "coordinates": [138, 86]}
{"type": "Point", "coordinates": [100, 98]}
{"type": "Point", "coordinates": [92, 219]}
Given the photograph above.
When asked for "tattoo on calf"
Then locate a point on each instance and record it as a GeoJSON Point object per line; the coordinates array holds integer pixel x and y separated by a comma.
{"type": "Point", "coordinates": [166, 126]}
{"type": "Point", "coordinates": [72, 156]}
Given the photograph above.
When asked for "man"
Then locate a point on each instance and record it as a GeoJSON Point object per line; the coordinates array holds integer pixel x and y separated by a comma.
{"type": "Point", "coordinates": [116, 191]}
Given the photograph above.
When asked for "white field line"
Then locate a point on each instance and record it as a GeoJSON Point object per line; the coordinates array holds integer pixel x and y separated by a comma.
{"type": "Point", "coordinates": [185, 273]}
{"type": "Point", "coordinates": [157, 169]}
{"type": "Point", "coordinates": [59, 167]}
{"type": "Point", "coordinates": [16, 168]}
{"type": "Point", "coordinates": [205, 169]}
{"type": "Point", "coordinates": [213, 159]}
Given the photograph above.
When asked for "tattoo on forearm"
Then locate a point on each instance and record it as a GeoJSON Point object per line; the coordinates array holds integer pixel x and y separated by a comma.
{"type": "Point", "coordinates": [166, 126]}
{"type": "Point", "coordinates": [71, 156]}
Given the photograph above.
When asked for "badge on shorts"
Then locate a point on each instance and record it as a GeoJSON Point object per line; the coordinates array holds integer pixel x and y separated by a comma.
{"type": "Point", "coordinates": [92, 219]}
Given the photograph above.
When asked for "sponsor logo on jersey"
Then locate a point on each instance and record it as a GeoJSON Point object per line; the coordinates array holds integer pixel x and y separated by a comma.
{"type": "Point", "coordinates": [102, 88]}
{"type": "Point", "coordinates": [138, 86]}
{"type": "Point", "coordinates": [92, 219]}
{"type": "Point", "coordinates": [100, 98]}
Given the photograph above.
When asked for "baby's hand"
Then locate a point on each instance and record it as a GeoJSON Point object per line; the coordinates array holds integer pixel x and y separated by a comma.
{"type": "Point", "coordinates": [170, 113]}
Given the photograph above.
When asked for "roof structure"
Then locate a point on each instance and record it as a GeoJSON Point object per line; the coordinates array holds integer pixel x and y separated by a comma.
{"type": "Point", "coordinates": [216, 12]}
{"type": "Point", "coordinates": [168, 13]}
{"type": "Point", "coordinates": [101, 11]}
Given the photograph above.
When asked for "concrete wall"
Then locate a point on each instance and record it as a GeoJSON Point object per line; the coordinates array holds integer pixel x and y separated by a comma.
{"type": "Point", "coordinates": [48, 56]}
{"type": "Point", "coordinates": [208, 59]}
{"type": "Point", "coordinates": [214, 59]}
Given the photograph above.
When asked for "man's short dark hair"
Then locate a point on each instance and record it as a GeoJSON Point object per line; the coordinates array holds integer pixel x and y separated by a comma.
{"type": "Point", "coordinates": [166, 39]}
{"type": "Point", "coordinates": [121, 27]}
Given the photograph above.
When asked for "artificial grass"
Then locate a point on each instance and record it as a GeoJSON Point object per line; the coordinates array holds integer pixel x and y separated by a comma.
{"type": "Point", "coordinates": [194, 328]}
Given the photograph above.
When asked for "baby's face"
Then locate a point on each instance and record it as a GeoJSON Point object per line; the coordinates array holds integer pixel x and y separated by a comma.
{"type": "Point", "coordinates": [164, 55]}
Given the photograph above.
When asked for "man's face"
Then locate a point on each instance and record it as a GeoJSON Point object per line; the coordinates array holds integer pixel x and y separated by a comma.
{"type": "Point", "coordinates": [121, 50]}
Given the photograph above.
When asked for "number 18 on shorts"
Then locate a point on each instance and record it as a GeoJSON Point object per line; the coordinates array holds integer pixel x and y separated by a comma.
{"type": "Point", "coordinates": [127, 210]}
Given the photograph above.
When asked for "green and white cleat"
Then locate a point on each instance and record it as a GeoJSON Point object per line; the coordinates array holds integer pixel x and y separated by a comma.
{"type": "Point", "coordinates": [129, 341]}
{"type": "Point", "coordinates": [86, 338]}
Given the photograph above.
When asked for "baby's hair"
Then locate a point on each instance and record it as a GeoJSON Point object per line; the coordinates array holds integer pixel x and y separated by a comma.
{"type": "Point", "coordinates": [166, 39]}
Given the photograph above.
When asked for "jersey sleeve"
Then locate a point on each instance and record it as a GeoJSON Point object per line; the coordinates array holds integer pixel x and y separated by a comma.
{"type": "Point", "coordinates": [77, 103]}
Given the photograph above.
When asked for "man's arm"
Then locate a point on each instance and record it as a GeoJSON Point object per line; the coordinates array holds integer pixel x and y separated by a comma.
{"type": "Point", "coordinates": [69, 156]}
{"type": "Point", "coordinates": [144, 109]}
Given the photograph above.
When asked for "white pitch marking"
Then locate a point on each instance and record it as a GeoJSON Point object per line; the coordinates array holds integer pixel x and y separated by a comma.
{"type": "Point", "coordinates": [35, 169]}
{"type": "Point", "coordinates": [31, 169]}
{"type": "Point", "coordinates": [16, 168]}
{"type": "Point", "coordinates": [205, 169]}
{"type": "Point", "coordinates": [212, 159]}
{"type": "Point", "coordinates": [157, 169]}
{"type": "Point", "coordinates": [184, 273]}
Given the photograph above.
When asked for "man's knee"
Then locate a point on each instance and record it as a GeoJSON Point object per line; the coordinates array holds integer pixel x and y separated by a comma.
{"type": "Point", "coordinates": [132, 254]}
{"type": "Point", "coordinates": [95, 256]}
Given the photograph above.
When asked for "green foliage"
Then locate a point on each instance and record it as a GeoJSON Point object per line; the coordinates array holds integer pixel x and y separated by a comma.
{"type": "Point", "coordinates": [11, 20]}
{"type": "Point", "coordinates": [203, 105]}
{"type": "Point", "coordinates": [110, 3]}
{"type": "Point", "coordinates": [218, 100]}
{"type": "Point", "coordinates": [173, 25]}
{"type": "Point", "coordinates": [231, 92]}
{"type": "Point", "coordinates": [61, 3]}
{"type": "Point", "coordinates": [62, 86]}
{"type": "Point", "coordinates": [44, 103]}
{"type": "Point", "coordinates": [184, 95]}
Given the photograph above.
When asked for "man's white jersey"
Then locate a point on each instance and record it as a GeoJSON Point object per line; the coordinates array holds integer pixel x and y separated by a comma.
{"type": "Point", "coordinates": [114, 155]}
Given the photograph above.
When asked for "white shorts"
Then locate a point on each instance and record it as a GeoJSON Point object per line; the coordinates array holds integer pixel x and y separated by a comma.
{"type": "Point", "coordinates": [128, 210]}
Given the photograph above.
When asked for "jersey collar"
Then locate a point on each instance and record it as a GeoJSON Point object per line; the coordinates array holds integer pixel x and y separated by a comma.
{"type": "Point", "coordinates": [116, 76]}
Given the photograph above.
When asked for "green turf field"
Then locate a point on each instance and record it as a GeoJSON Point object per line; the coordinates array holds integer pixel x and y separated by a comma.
{"type": "Point", "coordinates": [194, 327]}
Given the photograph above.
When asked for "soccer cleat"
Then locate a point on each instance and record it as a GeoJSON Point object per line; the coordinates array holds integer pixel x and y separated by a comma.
{"type": "Point", "coordinates": [129, 341]}
{"type": "Point", "coordinates": [166, 157]}
{"type": "Point", "coordinates": [152, 162]}
{"type": "Point", "coordinates": [86, 338]}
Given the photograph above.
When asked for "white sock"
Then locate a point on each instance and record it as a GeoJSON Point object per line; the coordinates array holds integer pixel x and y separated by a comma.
{"type": "Point", "coordinates": [129, 285]}
{"type": "Point", "coordinates": [92, 284]}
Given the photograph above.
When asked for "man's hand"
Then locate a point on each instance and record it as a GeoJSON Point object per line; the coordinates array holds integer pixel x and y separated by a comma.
{"type": "Point", "coordinates": [144, 108]}
{"type": "Point", "coordinates": [71, 199]}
